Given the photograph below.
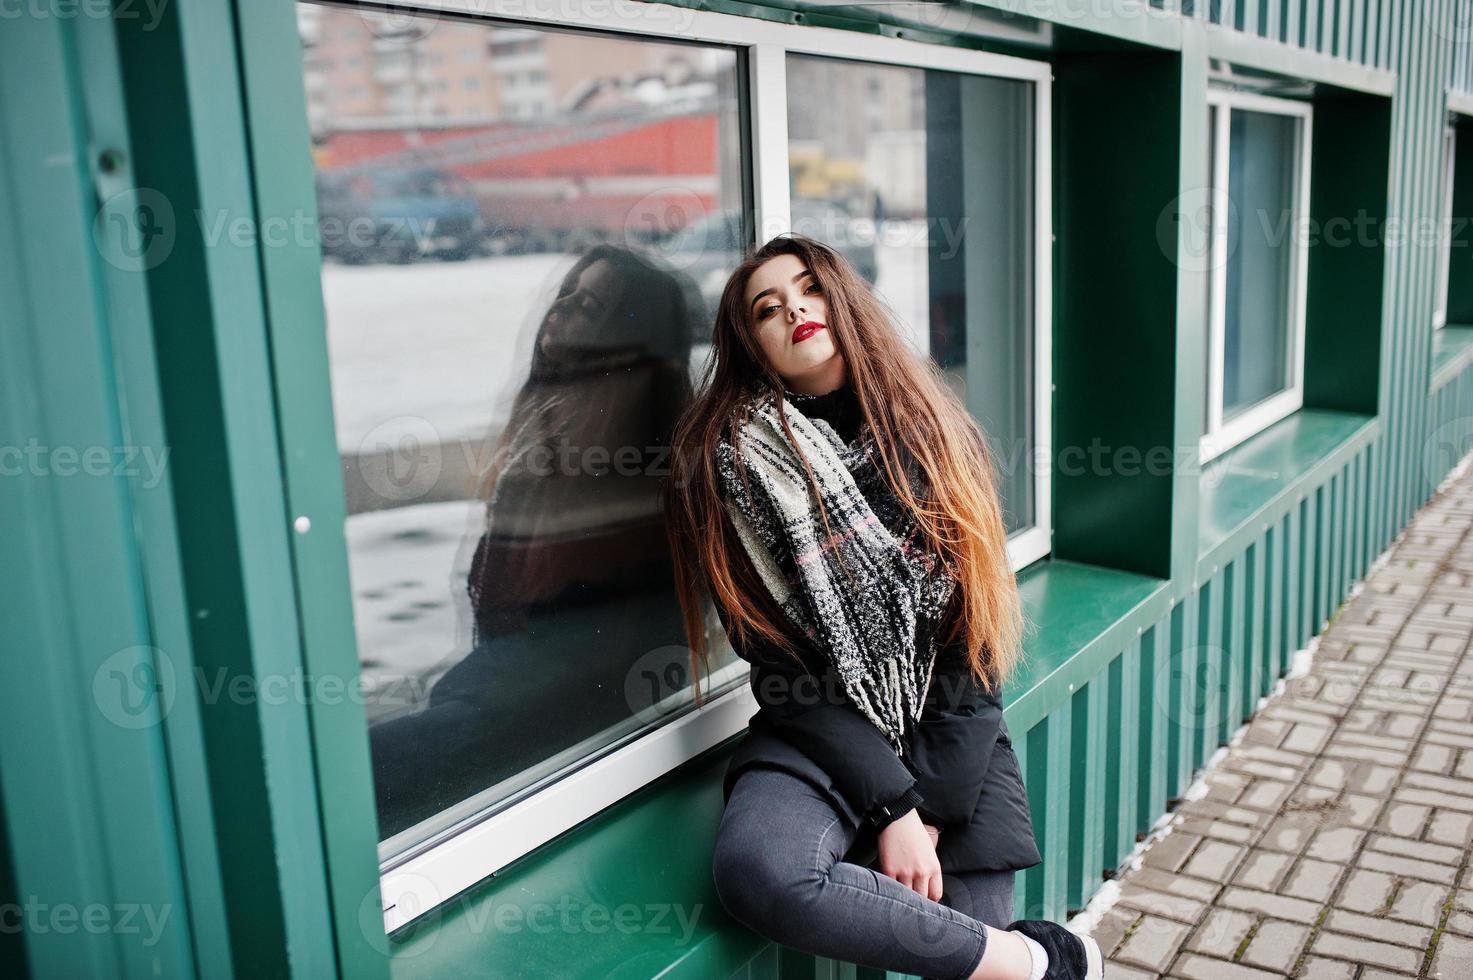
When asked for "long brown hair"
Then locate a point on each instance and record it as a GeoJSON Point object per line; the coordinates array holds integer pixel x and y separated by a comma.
{"type": "Point", "coordinates": [910, 410]}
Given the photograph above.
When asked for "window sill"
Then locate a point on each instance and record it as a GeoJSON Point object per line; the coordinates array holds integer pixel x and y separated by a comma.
{"type": "Point", "coordinates": [1452, 351]}
{"type": "Point", "coordinates": [1082, 613]}
{"type": "Point", "coordinates": [1253, 483]}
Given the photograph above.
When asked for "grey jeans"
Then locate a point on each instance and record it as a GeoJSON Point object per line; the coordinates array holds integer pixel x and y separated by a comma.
{"type": "Point", "coordinates": [780, 869]}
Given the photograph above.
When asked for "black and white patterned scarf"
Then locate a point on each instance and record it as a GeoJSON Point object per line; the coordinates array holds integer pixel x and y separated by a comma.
{"type": "Point", "coordinates": [879, 631]}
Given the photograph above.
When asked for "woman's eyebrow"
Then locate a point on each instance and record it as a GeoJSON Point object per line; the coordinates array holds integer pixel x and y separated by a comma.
{"type": "Point", "coordinates": [764, 292]}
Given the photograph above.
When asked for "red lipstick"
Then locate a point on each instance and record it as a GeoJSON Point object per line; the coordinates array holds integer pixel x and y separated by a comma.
{"type": "Point", "coordinates": [806, 329]}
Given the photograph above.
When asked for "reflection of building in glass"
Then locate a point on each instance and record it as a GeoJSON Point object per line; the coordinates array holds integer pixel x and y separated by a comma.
{"type": "Point", "coordinates": [422, 71]}
{"type": "Point", "coordinates": [552, 139]}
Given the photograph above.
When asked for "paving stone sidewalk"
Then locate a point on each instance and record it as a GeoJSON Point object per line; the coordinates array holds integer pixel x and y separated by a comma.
{"type": "Point", "coordinates": [1333, 840]}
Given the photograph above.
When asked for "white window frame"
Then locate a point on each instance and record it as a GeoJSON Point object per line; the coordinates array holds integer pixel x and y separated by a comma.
{"type": "Point", "coordinates": [1444, 231]}
{"type": "Point", "coordinates": [1220, 437]}
{"type": "Point", "coordinates": [414, 883]}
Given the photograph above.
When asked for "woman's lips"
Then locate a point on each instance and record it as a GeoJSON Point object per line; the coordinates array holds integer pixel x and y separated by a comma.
{"type": "Point", "coordinates": [806, 329]}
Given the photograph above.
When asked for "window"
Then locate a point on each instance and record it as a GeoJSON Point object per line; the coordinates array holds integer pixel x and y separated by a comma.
{"type": "Point", "coordinates": [1259, 158]}
{"type": "Point", "coordinates": [516, 310]}
{"type": "Point", "coordinates": [925, 180]}
{"type": "Point", "coordinates": [1445, 228]}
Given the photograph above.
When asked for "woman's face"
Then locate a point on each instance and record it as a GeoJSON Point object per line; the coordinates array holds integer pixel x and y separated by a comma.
{"type": "Point", "coordinates": [788, 315]}
{"type": "Point", "coordinates": [578, 316]}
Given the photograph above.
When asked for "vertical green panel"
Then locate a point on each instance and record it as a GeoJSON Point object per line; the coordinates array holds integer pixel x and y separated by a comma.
{"type": "Point", "coordinates": [1026, 884]}
{"type": "Point", "coordinates": [1174, 681]}
{"type": "Point", "coordinates": [1234, 649]}
{"type": "Point", "coordinates": [1357, 50]}
{"type": "Point", "coordinates": [1340, 537]}
{"type": "Point", "coordinates": [1154, 748]}
{"type": "Point", "coordinates": [1250, 17]}
{"type": "Point", "coordinates": [1252, 610]}
{"type": "Point", "coordinates": [1293, 554]}
{"type": "Point", "coordinates": [1082, 779]}
{"type": "Point", "coordinates": [1118, 734]}
{"type": "Point", "coordinates": [1100, 780]}
{"type": "Point", "coordinates": [284, 181]}
{"type": "Point", "coordinates": [1122, 753]}
{"type": "Point", "coordinates": [1270, 565]}
{"type": "Point", "coordinates": [1063, 768]}
{"type": "Point", "coordinates": [1308, 562]}
{"type": "Point", "coordinates": [92, 883]}
{"type": "Point", "coordinates": [1355, 505]}
{"type": "Point", "coordinates": [1324, 560]}
{"type": "Point", "coordinates": [1211, 665]}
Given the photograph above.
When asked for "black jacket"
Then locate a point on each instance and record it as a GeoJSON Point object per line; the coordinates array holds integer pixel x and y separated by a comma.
{"type": "Point", "coordinates": [959, 758]}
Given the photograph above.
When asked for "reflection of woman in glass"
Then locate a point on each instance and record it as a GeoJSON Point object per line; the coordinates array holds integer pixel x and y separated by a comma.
{"type": "Point", "coordinates": [572, 492]}
{"type": "Point", "coordinates": [571, 580]}
{"type": "Point", "coordinates": [838, 504]}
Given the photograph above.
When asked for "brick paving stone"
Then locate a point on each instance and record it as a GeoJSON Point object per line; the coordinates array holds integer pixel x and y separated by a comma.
{"type": "Point", "coordinates": [1286, 835]}
{"type": "Point", "coordinates": [1153, 943]}
{"type": "Point", "coordinates": [1367, 951]}
{"type": "Point", "coordinates": [1194, 967]}
{"type": "Point", "coordinates": [1317, 968]}
{"type": "Point", "coordinates": [1263, 870]}
{"type": "Point", "coordinates": [1405, 819]}
{"type": "Point", "coordinates": [1278, 906]}
{"type": "Point", "coordinates": [1399, 865]}
{"type": "Point", "coordinates": [1450, 827]}
{"type": "Point", "coordinates": [1112, 928]}
{"type": "Point", "coordinates": [1366, 891]}
{"type": "Point", "coordinates": [1218, 829]}
{"type": "Point", "coordinates": [1169, 853]}
{"type": "Point", "coordinates": [1418, 901]}
{"type": "Point", "coordinates": [1439, 853]}
{"type": "Point", "coordinates": [1119, 971]}
{"type": "Point", "coordinates": [1276, 945]}
{"type": "Point", "coordinates": [1222, 931]}
{"type": "Point", "coordinates": [1454, 957]}
{"type": "Point", "coordinates": [1337, 844]}
{"type": "Point", "coordinates": [1314, 880]}
{"type": "Point", "coordinates": [1214, 860]}
{"type": "Point", "coordinates": [1161, 904]}
{"type": "Point", "coordinates": [1381, 930]}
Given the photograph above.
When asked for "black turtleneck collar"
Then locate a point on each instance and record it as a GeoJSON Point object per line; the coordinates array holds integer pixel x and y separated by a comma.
{"type": "Point", "coordinates": [840, 408]}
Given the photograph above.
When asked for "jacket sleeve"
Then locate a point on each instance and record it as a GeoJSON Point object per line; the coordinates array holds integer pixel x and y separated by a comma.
{"type": "Point", "coordinates": [952, 746]}
{"type": "Point", "coordinates": [809, 709]}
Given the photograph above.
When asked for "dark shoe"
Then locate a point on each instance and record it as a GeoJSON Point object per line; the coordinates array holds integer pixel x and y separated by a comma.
{"type": "Point", "coordinates": [1070, 955]}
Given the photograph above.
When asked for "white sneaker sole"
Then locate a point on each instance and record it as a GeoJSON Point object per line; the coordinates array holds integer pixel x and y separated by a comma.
{"type": "Point", "coordinates": [1094, 963]}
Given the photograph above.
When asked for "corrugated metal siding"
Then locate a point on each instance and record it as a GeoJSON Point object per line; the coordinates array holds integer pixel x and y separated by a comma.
{"type": "Point", "coordinates": [1184, 685]}
{"type": "Point", "coordinates": [1360, 31]}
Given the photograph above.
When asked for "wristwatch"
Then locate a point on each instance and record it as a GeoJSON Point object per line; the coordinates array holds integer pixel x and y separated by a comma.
{"type": "Point", "coordinates": [884, 814]}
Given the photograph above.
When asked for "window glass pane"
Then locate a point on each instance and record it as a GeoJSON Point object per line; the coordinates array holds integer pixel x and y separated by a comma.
{"type": "Point", "coordinates": [1259, 295]}
{"type": "Point", "coordinates": [923, 179]}
{"type": "Point", "coordinates": [513, 275]}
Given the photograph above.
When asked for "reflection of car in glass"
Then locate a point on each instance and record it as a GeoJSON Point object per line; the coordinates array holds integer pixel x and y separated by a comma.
{"type": "Point", "coordinates": [706, 249]}
{"type": "Point", "coordinates": [397, 215]}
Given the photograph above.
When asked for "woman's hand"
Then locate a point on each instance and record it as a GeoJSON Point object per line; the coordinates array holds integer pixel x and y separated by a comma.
{"type": "Point", "coordinates": [908, 854]}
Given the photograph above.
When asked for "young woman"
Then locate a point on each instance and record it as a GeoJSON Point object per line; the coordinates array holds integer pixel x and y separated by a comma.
{"type": "Point", "coordinates": [880, 618]}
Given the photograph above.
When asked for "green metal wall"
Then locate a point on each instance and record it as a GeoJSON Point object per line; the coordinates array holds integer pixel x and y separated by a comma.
{"type": "Point", "coordinates": [253, 825]}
